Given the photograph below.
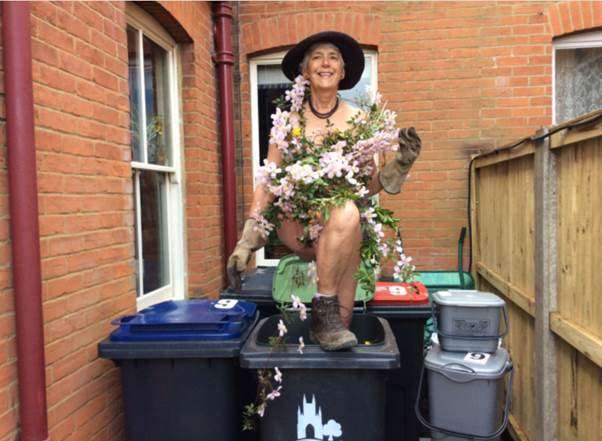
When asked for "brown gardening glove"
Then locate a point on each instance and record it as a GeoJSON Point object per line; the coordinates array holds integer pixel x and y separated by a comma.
{"type": "Point", "coordinates": [251, 240]}
{"type": "Point", "coordinates": [395, 172]}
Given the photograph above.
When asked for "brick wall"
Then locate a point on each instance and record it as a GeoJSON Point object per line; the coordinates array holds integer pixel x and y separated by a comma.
{"type": "Point", "coordinates": [85, 199]}
{"type": "Point", "coordinates": [86, 204]}
{"type": "Point", "coordinates": [468, 75]}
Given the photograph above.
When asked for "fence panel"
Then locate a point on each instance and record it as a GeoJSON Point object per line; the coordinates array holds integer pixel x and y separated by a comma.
{"type": "Point", "coordinates": [579, 278]}
{"type": "Point", "coordinates": [504, 250]}
{"type": "Point", "coordinates": [518, 193]}
{"type": "Point", "coordinates": [579, 396]}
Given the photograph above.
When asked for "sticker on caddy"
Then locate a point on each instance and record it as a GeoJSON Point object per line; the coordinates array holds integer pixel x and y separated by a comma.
{"type": "Point", "coordinates": [477, 357]}
{"type": "Point", "coordinates": [310, 425]}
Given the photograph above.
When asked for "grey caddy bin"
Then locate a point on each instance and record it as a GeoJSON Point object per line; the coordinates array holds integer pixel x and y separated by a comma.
{"type": "Point", "coordinates": [468, 320]}
{"type": "Point", "coordinates": [464, 394]}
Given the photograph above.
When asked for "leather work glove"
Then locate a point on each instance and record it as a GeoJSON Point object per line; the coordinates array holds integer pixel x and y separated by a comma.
{"type": "Point", "coordinates": [251, 240]}
{"type": "Point", "coordinates": [395, 172]}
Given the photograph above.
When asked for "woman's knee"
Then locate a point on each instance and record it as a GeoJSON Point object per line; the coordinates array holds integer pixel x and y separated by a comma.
{"type": "Point", "coordinates": [345, 216]}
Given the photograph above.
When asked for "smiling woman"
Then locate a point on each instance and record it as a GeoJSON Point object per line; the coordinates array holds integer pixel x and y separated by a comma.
{"type": "Point", "coordinates": [321, 65]}
{"type": "Point", "coordinates": [268, 82]}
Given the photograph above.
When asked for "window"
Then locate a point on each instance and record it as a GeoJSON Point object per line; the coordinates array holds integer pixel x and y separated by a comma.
{"type": "Point", "coordinates": [267, 83]}
{"type": "Point", "coordinates": [156, 163]}
{"type": "Point", "coordinates": [577, 75]}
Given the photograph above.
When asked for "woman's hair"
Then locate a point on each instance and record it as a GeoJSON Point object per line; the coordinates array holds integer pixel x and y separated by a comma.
{"type": "Point", "coordinates": [303, 64]}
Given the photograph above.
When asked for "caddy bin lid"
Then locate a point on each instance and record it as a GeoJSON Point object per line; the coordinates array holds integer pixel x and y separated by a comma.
{"type": "Point", "coordinates": [186, 320]}
{"type": "Point", "coordinates": [470, 298]}
{"type": "Point", "coordinates": [400, 294]}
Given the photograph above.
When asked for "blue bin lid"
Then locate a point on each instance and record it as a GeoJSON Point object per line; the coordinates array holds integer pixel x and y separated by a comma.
{"type": "Point", "coordinates": [186, 320]}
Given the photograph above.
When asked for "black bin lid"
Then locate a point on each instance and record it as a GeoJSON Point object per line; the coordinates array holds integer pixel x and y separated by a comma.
{"type": "Point", "coordinates": [256, 286]}
{"type": "Point", "coordinates": [377, 349]}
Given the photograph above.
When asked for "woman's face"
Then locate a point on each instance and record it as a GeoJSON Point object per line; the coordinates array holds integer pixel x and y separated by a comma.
{"type": "Point", "coordinates": [324, 67]}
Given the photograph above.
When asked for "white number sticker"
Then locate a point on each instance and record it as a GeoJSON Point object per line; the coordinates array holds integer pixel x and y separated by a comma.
{"type": "Point", "coordinates": [477, 357]}
{"type": "Point", "coordinates": [398, 291]}
{"type": "Point", "coordinates": [225, 304]}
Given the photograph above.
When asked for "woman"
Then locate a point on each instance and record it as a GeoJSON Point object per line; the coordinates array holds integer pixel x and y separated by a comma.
{"type": "Point", "coordinates": [329, 61]}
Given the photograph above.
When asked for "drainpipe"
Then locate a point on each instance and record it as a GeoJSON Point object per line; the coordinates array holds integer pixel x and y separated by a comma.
{"type": "Point", "coordinates": [27, 276]}
{"type": "Point", "coordinates": [224, 59]}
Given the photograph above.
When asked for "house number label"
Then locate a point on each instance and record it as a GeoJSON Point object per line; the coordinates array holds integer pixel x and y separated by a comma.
{"type": "Point", "coordinates": [225, 304]}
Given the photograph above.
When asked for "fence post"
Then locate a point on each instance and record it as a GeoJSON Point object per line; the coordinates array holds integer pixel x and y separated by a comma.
{"type": "Point", "coordinates": [545, 290]}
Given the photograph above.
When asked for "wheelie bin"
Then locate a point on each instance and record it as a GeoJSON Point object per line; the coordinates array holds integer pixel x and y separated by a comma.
{"type": "Point", "coordinates": [406, 308]}
{"type": "Point", "coordinates": [179, 369]}
{"type": "Point", "coordinates": [325, 395]}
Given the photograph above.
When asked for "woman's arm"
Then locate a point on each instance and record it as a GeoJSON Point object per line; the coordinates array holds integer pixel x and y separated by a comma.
{"type": "Point", "coordinates": [261, 196]}
{"type": "Point", "coordinates": [374, 186]}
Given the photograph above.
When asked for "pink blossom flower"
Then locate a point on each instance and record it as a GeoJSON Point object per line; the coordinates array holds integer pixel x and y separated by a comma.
{"type": "Point", "coordinates": [301, 345]}
{"type": "Point", "coordinates": [281, 127]}
{"type": "Point", "coordinates": [284, 190]}
{"type": "Point", "coordinates": [297, 93]}
{"type": "Point", "coordinates": [362, 191]}
{"type": "Point", "coordinates": [314, 231]}
{"type": "Point", "coordinates": [277, 375]}
{"type": "Point", "coordinates": [263, 225]}
{"type": "Point", "coordinates": [282, 328]}
{"type": "Point", "coordinates": [298, 305]}
{"type": "Point", "coordinates": [274, 394]}
{"type": "Point", "coordinates": [266, 173]}
{"type": "Point", "coordinates": [261, 410]}
{"type": "Point", "coordinates": [333, 164]}
{"type": "Point", "coordinates": [378, 230]}
{"type": "Point", "coordinates": [302, 173]}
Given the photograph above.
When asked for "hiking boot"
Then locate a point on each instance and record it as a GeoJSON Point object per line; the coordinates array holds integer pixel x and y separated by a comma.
{"type": "Point", "coordinates": [327, 328]}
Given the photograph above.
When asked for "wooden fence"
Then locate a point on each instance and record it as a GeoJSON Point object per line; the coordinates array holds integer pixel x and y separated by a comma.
{"type": "Point", "coordinates": [536, 213]}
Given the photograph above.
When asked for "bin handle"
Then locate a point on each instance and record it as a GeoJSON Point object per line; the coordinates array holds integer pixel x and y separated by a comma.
{"type": "Point", "coordinates": [470, 337]}
{"type": "Point", "coordinates": [461, 255]}
{"type": "Point", "coordinates": [498, 432]}
{"type": "Point", "coordinates": [464, 369]}
{"type": "Point", "coordinates": [119, 321]}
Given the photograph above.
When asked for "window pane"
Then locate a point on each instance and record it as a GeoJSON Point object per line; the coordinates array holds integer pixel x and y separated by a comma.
{"type": "Point", "coordinates": [271, 74]}
{"type": "Point", "coordinates": [271, 84]}
{"type": "Point", "coordinates": [134, 85]}
{"type": "Point", "coordinates": [155, 246]}
{"type": "Point", "coordinates": [157, 103]}
{"type": "Point", "coordinates": [578, 82]}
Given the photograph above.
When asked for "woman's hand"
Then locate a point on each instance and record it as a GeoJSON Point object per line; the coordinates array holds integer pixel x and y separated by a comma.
{"type": "Point", "coordinates": [409, 146]}
{"type": "Point", "coordinates": [251, 240]}
{"type": "Point", "coordinates": [395, 172]}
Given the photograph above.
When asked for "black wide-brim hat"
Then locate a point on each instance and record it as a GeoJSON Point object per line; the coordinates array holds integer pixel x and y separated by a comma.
{"type": "Point", "coordinates": [350, 50]}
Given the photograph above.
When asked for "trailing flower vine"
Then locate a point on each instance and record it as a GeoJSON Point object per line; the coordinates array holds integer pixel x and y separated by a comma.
{"type": "Point", "coordinates": [269, 382]}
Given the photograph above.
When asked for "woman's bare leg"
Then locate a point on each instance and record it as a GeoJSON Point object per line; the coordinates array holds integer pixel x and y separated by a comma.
{"type": "Point", "coordinates": [348, 282]}
{"type": "Point", "coordinates": [338, 256]}
{"type": "Point", "coordinates": [288, 233]}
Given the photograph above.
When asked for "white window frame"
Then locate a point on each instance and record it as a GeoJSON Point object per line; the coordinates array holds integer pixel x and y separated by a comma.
{"type": "Point", "coordinates": [579, 41]}
{"type": "Point", "coordinates": [276, 59]}
{"type": "Point", "coordinates": [176, 289]}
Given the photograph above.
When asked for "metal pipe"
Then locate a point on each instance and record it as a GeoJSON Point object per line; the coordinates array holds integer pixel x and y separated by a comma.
{"type": "Point", "coordinates": [26, 266]}
{"type": "Point", "coordinates": [224, 60]}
